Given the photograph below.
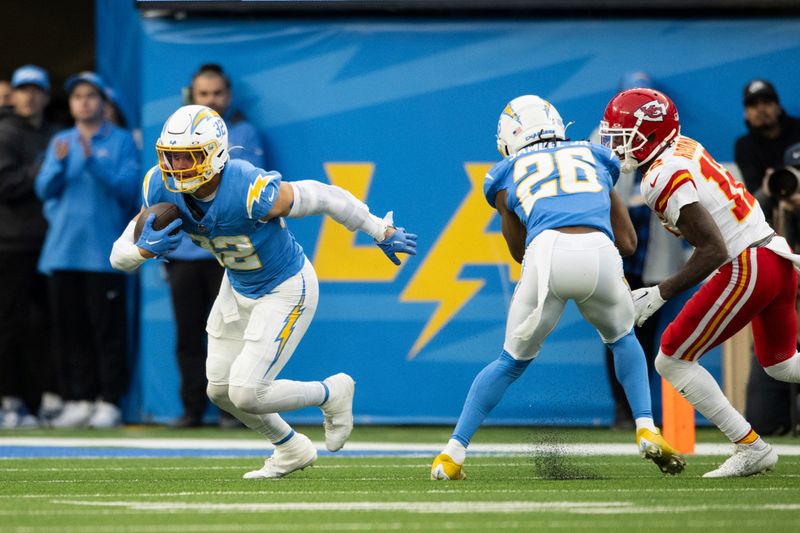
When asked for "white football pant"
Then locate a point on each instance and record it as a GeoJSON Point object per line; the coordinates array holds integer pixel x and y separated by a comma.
{"type": "Point", "coordinates": [558, 267]}
{"type": "Point", "coordinates": [249, 343]}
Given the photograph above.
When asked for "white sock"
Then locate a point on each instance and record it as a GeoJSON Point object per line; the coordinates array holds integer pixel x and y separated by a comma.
{"type": "Point", "coordinates": [702, 391]}
{"type": "Point", "coordinates": [456, 451]}
{"type": "Point", "coordinates": [788, 371]}
{"type": "Point", "coordinates": [277, 396]}
{"type": "Point", "coordinates": [759, 444]}
{"type": "Point", "coordinates": [646, 423]}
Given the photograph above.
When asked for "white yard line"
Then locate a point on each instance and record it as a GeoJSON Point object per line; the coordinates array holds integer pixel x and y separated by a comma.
{"type": "Point", "coordinates": [460, 492]}
{"type": "Point", "coordinates": [362, 447]}
{"type": "Point", "coordinates": [423, 507]}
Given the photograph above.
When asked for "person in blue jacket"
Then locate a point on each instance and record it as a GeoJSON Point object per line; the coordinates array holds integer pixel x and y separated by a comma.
{"type": "Point", "coordinates": [88, 183]}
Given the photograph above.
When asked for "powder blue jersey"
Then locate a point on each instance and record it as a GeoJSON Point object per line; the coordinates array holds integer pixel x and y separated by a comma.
{"type": "Point", "coordinates": [556, 184]}
{"type": "Point", "coordinates": [257, 255]}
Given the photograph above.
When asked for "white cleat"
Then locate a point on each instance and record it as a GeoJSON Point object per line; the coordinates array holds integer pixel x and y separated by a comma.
{"type": "Point", "coordinates": [296, 454]}
{"type": "Point", "coordinates": [74, 415]}
{"type": "Point", "coordinates": [746, 461]}
{"type": "Point", "coordinates": [338, 410]}
{"type": "Point", "coordinates": [106, 415]}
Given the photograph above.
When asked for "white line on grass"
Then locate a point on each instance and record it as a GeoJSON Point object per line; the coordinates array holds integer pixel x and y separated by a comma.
{"type": "Point", "coordinates": [462, 490]}
{"type": "Point", "coordinates": [222, 528]}
{"type": "Point", "coordinates": [440, 507]}
{"type": "Point", "coordinates": [364, 447]}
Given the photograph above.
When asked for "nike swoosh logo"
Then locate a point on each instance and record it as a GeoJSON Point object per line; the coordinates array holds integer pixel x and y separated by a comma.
{"type": "Point", "coordinates": [653, 183]}
{"type": "Point", "coordinates": [271, 194]}
{"type": "Point", "coordinates": [153, 242]}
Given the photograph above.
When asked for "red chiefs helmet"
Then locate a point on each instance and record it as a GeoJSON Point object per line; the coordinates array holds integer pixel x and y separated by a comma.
{"type": "Point", "coordinates": [638, 124]}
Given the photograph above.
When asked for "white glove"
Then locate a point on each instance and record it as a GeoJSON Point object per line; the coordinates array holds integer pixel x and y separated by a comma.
{"type": "Point", "coordinates": [646, 301]}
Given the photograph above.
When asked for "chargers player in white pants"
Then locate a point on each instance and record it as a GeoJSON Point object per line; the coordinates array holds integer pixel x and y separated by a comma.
{"type": "Point", "coordinates": [269, 293]}
{"type": "Point", "coordinates": [558, 207]}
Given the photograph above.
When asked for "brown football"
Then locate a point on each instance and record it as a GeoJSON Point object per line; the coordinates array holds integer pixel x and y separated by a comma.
{"type": "Point", "coordinates": [165, 213]}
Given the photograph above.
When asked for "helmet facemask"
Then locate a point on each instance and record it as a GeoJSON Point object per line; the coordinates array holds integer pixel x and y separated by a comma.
{"type": "Point", "coordinates": [192, 148]}
{"type": "Point", "coordinates": [621, 142]}
{"type": "Point", "coordinates": [191, 178]}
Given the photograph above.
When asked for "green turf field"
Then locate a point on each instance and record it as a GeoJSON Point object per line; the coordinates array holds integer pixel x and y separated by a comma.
{"type": "Point", "coordinates": [547, 492]}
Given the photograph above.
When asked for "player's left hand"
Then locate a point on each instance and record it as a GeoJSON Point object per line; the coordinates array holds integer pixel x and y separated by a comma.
{"type": "Point", "coordinates": [646, 301]}
{"type": "Point", "coordinates": [397, 240]}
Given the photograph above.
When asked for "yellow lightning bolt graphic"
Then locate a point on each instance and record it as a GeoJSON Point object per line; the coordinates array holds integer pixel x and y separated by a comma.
{"type": "Point", "coordinates": [337, 257]}
{"type": "Point", "coordinates": [288, 325]}
{"type": "Point", "coordinates": [464, 241]}
{"type": "Point", "coordinates": [254, 193]}
{"type": "Point", "coordinates": [288, 328]}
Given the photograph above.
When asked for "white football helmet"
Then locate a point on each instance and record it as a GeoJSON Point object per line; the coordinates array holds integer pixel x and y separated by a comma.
{"type": "Point", "coordinates": [525, 120]}
{"type": "Point", "coordinates": [192, 148]}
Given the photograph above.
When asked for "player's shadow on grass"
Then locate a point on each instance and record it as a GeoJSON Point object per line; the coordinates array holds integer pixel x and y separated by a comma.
{"type": "Point", "coordinates": [551, 461]}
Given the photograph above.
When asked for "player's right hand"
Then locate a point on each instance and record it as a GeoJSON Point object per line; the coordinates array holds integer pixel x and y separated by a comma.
{"type": "Point", "coordinates": [159, 242]}
{"type": "Point", "coordinates": [646, 301]}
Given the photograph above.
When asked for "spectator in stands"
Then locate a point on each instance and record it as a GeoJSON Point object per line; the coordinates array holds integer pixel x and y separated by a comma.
{"type": "Point", "coordinates": [770, 131]}
{"type": "Point", "coordinates": [658, 255]}
{"type": "Point", "coordinates": [111, 110]}
{"type": "Point", "coordinates": [25, 356]}
{"type": "Point", "coordinates": [89, 183]}
{"type": "Point", "coordinates": [5, 94]}
{"type": "Point", "coordinates": [194, 274]}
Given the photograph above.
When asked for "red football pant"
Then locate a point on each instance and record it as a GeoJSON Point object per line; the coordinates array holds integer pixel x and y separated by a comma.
{"type": "Point", "coordinates": [758, 286]}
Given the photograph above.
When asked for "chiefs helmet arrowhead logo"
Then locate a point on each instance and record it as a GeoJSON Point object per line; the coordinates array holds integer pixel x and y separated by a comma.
{"type": "Point", "coordinates": [654, 111]}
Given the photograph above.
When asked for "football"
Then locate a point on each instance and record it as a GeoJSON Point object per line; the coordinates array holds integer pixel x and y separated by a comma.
{"type": "Point", "coordinates": [165, 213]}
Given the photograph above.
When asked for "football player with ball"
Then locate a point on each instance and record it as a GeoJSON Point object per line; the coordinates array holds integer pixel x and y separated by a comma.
{"type": "Point", "coordinates": [269, 292]}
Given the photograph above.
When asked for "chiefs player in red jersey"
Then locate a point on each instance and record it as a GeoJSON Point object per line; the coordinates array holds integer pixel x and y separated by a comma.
{"type": "Point", "coordinates": [754, 278]}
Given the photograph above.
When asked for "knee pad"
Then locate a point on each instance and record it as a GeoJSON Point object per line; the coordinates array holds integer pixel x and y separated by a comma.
{"type": "Point", "coordinates": [788, 370]}
{"type": "Point", "coordinates": [218, 394]}
{"type": "Point", "coordinates": [244, 398]}
{"type": "Point", "coordinates": [678, 373]}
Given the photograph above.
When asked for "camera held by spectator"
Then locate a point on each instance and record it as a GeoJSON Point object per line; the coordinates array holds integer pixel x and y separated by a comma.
{"type": "Point", "coordinates": [785, 181]}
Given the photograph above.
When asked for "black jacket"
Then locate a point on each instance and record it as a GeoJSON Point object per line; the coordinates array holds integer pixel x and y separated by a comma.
{"type": "Point", "coordinates": [22, 148]}
{"type": "Point", "coordinates": [754, 153]}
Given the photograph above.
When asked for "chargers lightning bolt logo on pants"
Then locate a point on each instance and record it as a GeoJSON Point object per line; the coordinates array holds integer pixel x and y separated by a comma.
{"type": "Point", "coordinates": [288, 327]}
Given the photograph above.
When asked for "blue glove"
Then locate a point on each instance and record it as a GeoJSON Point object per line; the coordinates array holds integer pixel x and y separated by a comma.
{"type": "Point", "coordinates": [399, 242]}
{"type": "Point", "coordinates": [159, 242]}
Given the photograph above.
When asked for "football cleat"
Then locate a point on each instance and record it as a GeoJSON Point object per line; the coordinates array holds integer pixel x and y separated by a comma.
{"type": "Point", "coordinates": [106, 415]}
{"type": "Point", "coordinates": [444, 468]}
{"type": "Point", "coordinates": [338, 410]}
{"type": "Point", "coordinates": [76, 414]}
{"type": "Point", "coordinates": [297, 454]}
{"type": "Point", "coordinates": [656, 448]}
{"type": "Point", "coordinates": [746, 461]}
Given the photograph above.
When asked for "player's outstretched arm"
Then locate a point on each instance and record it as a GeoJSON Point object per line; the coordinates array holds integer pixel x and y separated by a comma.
{"type": "Point", "coordinates": [308, 197]}
{"type": "Point", "coordinates": [127, 255]}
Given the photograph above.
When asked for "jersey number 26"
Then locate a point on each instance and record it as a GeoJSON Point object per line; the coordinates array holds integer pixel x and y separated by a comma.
{"type": "Point", "coordinates": [544, 174]}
